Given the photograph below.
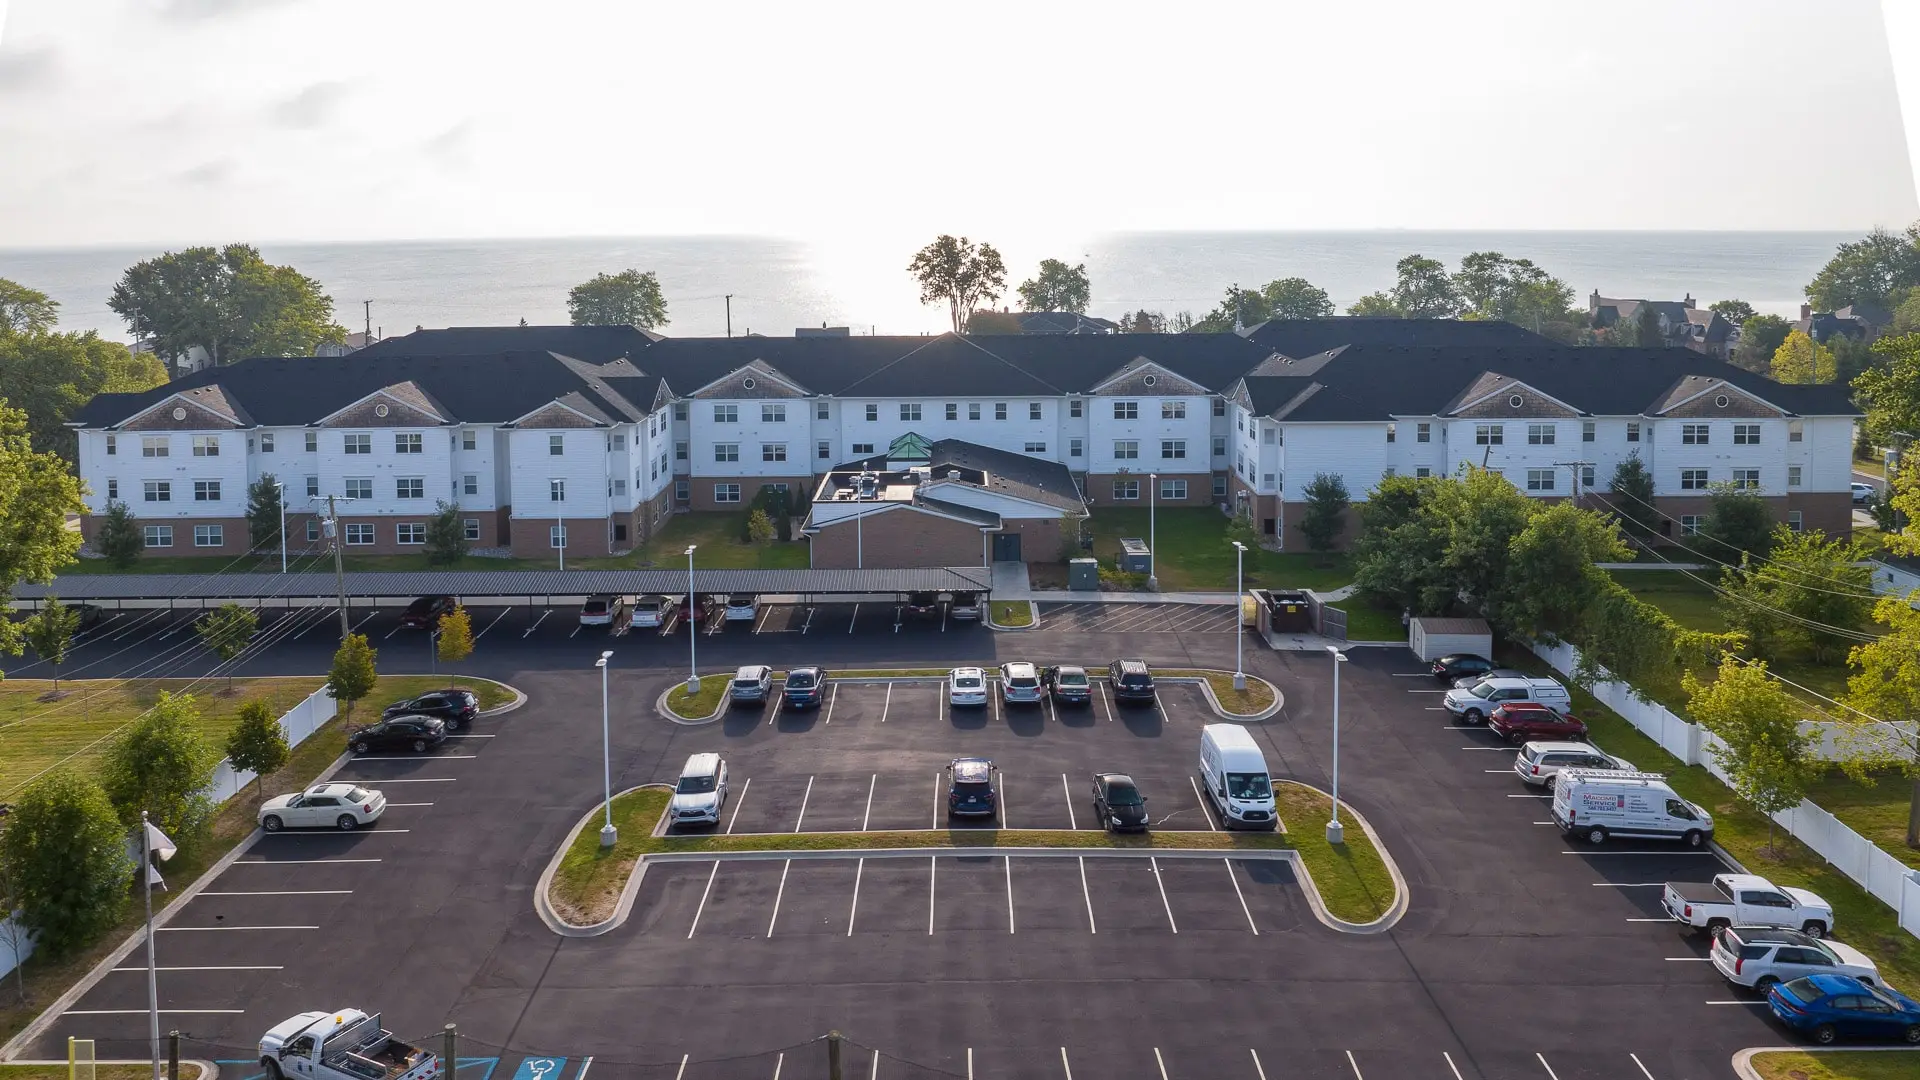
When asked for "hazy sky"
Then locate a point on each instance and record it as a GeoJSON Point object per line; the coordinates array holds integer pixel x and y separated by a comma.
{"type": "Point", "coordinates": [173, 121]}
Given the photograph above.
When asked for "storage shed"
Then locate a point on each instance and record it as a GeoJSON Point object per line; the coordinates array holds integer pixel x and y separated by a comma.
{"type": "Point", "coordinates": [1431, 638]}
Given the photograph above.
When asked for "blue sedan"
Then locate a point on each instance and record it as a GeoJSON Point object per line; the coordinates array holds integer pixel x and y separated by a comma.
{"type": "Point", "coordinates": [1826, 1007]}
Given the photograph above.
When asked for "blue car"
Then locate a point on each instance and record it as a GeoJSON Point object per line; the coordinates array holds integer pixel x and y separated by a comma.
{"type": "Point", "coordinates": [806, 687]}
{"type": "Point", "coordinates": [1827, 1007]}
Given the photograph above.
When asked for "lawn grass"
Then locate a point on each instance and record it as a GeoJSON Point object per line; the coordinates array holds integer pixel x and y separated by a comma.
{"type": "Point", "coordinates": [188, 1071]}
{"type": "Point", "coordinates": [1838, 1065]}
{"type": "Point", "coordinates": [1195, 556]}
{"type": "Point", "coordinates": [1353, 881]}
{"type": "Point", "coordinates": [719, 547]}
{"type": "Point", "coordinates": [1366, 622]}
{"type": "Point", "coordinates": [1012, 613]}
{"type": "Point", "coordinates": [1257, 697]}
{"type": "Point", "coordinates": [36, 733]}
{"type": "Point", "coordinates": [1877, 812]}
{"type": "Point", "coordinates": [700, 704]}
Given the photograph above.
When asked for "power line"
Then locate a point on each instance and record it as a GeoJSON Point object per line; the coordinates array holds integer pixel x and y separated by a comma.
{"type": "Point", "coordinates": [1720, 562]}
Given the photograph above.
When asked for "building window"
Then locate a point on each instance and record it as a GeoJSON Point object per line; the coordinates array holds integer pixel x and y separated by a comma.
{"type": "Point", "coordinates": [556, 445]}
{"type": "Point", "coordinates": [157, 491]}
{"type": "Point", "coordinates": [470, 484]}
{"type": "Point", "coordinates": [953, 410]}
{"type": "Point", "coordinates": [1034, 411]}
{"type": "Point", "coordinates": [1693, 479]}
{"type": "Point", "coordinates": [1393, 430]}
{"type": "Point", "coordinates": [1795, 431]}
{"type": "Point", "coordinates": [113, 490]}
{"type": "Point", "coordinates": [312, 442]}
{"type": "Point", "coordinates": [1796, 521]}
{"type": "Point", "coordinates": [821, 410]}
{"type": "Point", "coordinates": [1422, 433]}
{"type": "Point", "coordinates": [1219, 487]}
{"type": "Point", "coordinates": [1126, 449]}
{"type": "Point", "coordinates": [1076, 408]}
{"type": "Point", "coordinates": [406, 442]}
{"type": "Point", "coordinates": [823, 450]}
{"type": "Point", "coordinates": [556, 536]}
{"type": "Point", "coordinates": [1689, 524]}
{"type": "Point", "coordinates": [910, 412]}
{"type": "Point", "coordinates": [682, 491]}
{"type": "Point", "coordinates": [1693, 435]}
{"type": "Point", "coordinates": [409, 487]}
{"type": "Point", "coordinates": [679, 451]}
{"type": "Point", "coordinates": [313, 530]}
{"type": "Point", "coordinates": [726, 493]}
{"type": "Point", "coordinates": [556, 490]}
{"type": "Point", "coordinates": [153, 446]}
{"type": "Point", "coordinates": [206, 446]}
{"type": "Point", "coordinates": [1746, 479]}
{"type": "Point", "coordinates": [1173, 490]}
{"type": "Point", "coordinates": [113, 446]}
{"type": "Point", "coordinates": [1126, 489]}
{"type": "Point", "coordinates": [860, 448]}
{"type": "Point", "coordinates": [1075, 447]}
{"type": "Point", "coordinates": [313, 487]}
{"type": "Point", "coordinates": [726, 451]}
{"type": "Point", "coordinates": [1746, 434]}
{"type": "Point", "coordinates": [726, 414]}
{"type": "Point", "coordinates": [359, 487]}
{"type": "Point", "coordinates": [470, 529]}
{"type": "Point", "coordinates": [1270, 436]}
{"type": "Point", "coordinates": [360, 534]}
{"type": "Point", "coordinates": [1219, 406]}
{"type": "Point", "coordinates": [467, 439]}
{"type": "Point", "coordinates": [1586, 477]}
{"type": "Point", "coordinates": [266, 442]}
{"type": "Point", "coordinates": [1422, 472]}
{"type": "Point", "coordinates": [617, 442]}
{"type": "Point", "coordinates": [973, 410]}
{"type": "Point", "coordinates": [1219, 446]}
{"type": "Point", "coordinates": [873, 412]}
{"type": "Point", "coordinates": [680, 411]}
{"type": "Point", "coordinates": [1271, 481]}
{"type": "Point", "coordinates": [999, 410]}
{"type": "Point", "coordinates": [1633, 431]}
{"type": "Point", "coordinates": [773, 451]}
{"type": "Point", "coordinates": [206, 491]}
{"type": "Point", "coordinates": [1793, 476]}
{"type": "Point", "coordinates": [209, 535]}
{"type": "Point", "coordinates": [773, 412]}
{"type": "Point", "coordinates": [1173, 410]}
{"type": "Point", "coordinates": [1126, 410]}
{"type": "Point", "coordinates": [410, 533]}
{"type": "Point", "coordinates": [1540, 434]}
{"type": "Point", "coordinates": [158, 536]}
{"type": "Point", "coordinates": [1489, 435]}
{"type": "Point", "coordinates": [1173, 449]}
{"type": "Point", "coordinates": [1586, 431]}
{"type": "Point", "coordinates": [1539, 479]}
{"type": "Point", "coordinates": [357, 444]}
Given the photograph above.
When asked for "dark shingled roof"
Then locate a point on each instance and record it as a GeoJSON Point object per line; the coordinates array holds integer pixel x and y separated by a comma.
{"type": "Point", "coordinates": [474, 583]}
{"type": "Point", "coordinates": [1304, 337]}
{"type": "Point", "coordinates": [595, 344]}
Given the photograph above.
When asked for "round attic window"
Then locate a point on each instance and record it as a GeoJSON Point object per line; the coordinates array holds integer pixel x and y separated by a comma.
{"type": "Point", "coordinates": [1720, 402]}
{"type": "Point", "coordinates": [746, 384]}
{"type": "Point", "coordinates": [1150, 379]}
{"type": "Point", "coordinates": [1516, 401]}
{"type": "Point", "coordinates": [179, 414]}
{"type": "Point", "coordinates": [381, 410]}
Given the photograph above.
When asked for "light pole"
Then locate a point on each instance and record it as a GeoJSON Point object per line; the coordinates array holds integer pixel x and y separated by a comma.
{"type": "Point", "coordinates": [1335, 834]}
{"type": "Point", "coordinates": [433, 650]}
{"type": "Point", "coordinates": [608, 834]}
{"type": "Point", "coordinates": [281, 490]}
{"type": "Point", "coordinates": [560, 538]}
{"type": "Point", "coordinates": [1239, 615]}
{"type": "Point", "coordinates": [693, 629]}
{"type": "Point", "coordinates": [1153, 537]}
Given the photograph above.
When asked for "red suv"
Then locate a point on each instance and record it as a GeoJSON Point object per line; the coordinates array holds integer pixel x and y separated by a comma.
{"type": "Point", "coordinates": [1519, 721]}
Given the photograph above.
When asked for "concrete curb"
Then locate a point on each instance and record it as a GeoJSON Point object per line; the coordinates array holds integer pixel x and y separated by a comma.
{"type": "Point", "coordinates": [552, 918]}
{"type": "Point", "coordinates": [1402, 896]}
{"type": "Point", "coordinates": [660, 706]}
{"type": "Point", "coordinates": [1743, 1060]}
{"type": "Point", "coordinates": [519, 699]}
{"type": "Point", "coordinates": [1033, 615]}
{"type": "Point", "coordinates": [1206, 688]}
{"type": "Point", "coordinates": [208, 1070]}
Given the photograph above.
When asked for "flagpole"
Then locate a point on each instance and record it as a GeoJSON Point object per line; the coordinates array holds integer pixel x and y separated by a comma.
{"type": "Point", "coordinates": [153, 986]}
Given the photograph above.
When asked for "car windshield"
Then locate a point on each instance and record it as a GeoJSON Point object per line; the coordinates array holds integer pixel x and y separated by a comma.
{"type": "Point", "coordinates": [1123, 795]}
{"type": "Point", "coordinates": [1023, 682]}
{"type": "Point", "coordinates": [1248, 785]}
{"type": "Point", "coordinates": [695, 785]}
{"type": "Point", "coordinates": [647, 605]}
{"type": "Point", "coordinates": [965, 599]}
{"type": "Point", "coordinates": [800, 680]}
{"type": "Point", "coordinates": [1802, 990]}
{"type": "Point", "coordinates": [1481, 690]}
{"type": "Point", "coordinates": [739, 600]}
{"type": "Point", "coordinates": [596, 607]}
{"type": "Point", "coordinates": [1073, 678]}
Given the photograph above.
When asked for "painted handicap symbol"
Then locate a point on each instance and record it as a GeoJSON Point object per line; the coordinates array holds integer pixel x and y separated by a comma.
{"type": "Point", "coordinates": [539, 1068]}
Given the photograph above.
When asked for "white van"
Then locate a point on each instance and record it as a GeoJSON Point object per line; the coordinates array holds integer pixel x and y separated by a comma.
{"type": "Point", "coordinates": [1234, 774]}
{"type": "Point", "coordinates": [1597, 804]}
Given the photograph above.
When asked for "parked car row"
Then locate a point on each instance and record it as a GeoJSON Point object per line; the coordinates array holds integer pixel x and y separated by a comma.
{"type": "Point", "coordinates": [1021, 683]}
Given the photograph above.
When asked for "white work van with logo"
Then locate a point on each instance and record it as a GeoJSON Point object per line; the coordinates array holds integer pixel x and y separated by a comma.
{"type": "Point", "coordinates": [1234, 774]}
{"type": "Point", "coordinates": [1597, 804]}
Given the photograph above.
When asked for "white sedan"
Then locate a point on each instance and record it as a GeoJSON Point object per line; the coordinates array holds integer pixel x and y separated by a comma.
{"type": "Point", "coordinates": [967, 686]}
{"type": "Point", "coordinates": [324, 806]}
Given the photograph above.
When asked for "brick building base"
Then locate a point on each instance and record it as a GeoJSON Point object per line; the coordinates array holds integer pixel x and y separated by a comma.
{"type": "Point", "coordinates": [530, 538]}
{"type": "Point", "coordinates": [897, 539]}
{"type": "Point", "coordinates": [1099, 488]}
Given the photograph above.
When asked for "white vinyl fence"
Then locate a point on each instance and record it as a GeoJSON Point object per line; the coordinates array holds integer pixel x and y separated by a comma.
{"type": "Point", "coordinates": [298, 722]}
{"type": "Point", "coordinates": [1886, 877]}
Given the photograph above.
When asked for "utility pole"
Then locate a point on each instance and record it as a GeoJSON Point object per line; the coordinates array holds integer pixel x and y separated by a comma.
{"type": "Point", "coordinates": [1576, 466]}
{"type": "Point", "coordinates": [729, 314]}
{"type": "Point", "coordinates": [339, 563]}
{"type": "Point", "coordinates": [367, 306]}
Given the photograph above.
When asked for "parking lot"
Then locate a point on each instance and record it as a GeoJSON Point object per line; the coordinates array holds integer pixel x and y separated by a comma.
{"type": "Point", "coordinates": [1149, 618]}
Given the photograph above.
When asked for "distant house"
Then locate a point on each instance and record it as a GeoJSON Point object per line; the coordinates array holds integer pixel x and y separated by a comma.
{"type": "Point", "coordinates": [1861, 322]}
{"type": "Point", "coordinates": [194, 359]}
{"type": "Point", "coordinates": [1063, 322]}
{"type": "Point", "coordinates": [353, 344]}
{"type": "Point", "coordinates": [1681, 323]}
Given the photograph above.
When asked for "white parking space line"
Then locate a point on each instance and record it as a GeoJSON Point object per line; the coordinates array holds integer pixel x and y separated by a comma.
{"type": "Point", "coordinates": [933, 876]}
{"type": "Point", "coordinates": [993, 703]}
{"type": "Point", "coordinates": [677, 1075]}
{"type": "Point", "coordinates": [969, 1063]}
{"type": "Point", "coordinates": [1087, 895]}
{"type": "Point", "coordinates": [1202, 799]}
{"type": "Point", "coordinates": [773, 715]}
{"type": "Point", "coordinates": [886, 705]}
{"type": "Point", "coordinates": [528, 632]}
{"type": "Point", "coordinates": [324, 620]}
{"type": "Point", "coordinates": [391, 632]}
{"type": "Point", "coordinates": [1463, 727]}
{"type": "Point", "coordinates": [1413, 675]}
{"type": "Point", "coordinates": [1064, 1067]}
{"type": "Point", "coordinates": [1605, 851]}
{"type": "Point", "coordinates": [855, 619]}
{"type": "Point", "coordinates": [1507, 771]}
{"type": "Point", "coordinates": [581, 1075]}
{"type": "Point", "coordinates": [1649, 920]}
{"type": "Point", "coordinates": [1509, 749]}
{"type": "Point", "coordinates": [283, 892]}
{"type": "Point", "coordinates": [1637, 1065]}
{"type": "Point", "coordinates": [576, 630]}
{"type": "Point", "coordinates": [483, 630]}
{"type": "Point", "coordinates": [764, 612]}
{"type": "Point", "coordinates": [778, 1061]}
{"type": "Point", "coordinates": [1052, 714]}
{"type": "Point", "coordinates": [413, 757]}
{"type": "Point", "coordinates": [1158, 1061]}
{"type": "Point", "coordinates": [391, 805]}
{"type": "Point", "coordinates": [1155, 864]}
{"type": "Point", "coordinates": [873, 1070]}
{"type": "Point", "coordinates": [222, 967]}
{"type": "Point", "coordinates": [1686, 959]}
{"type": "Point", "coordinates": [470, 736]}
{"type": "Point", "coordinates": [1009, 860]}
{"type": "Point", "coordinates": [1761, 1003]}
{"type": "Point", "coordinates": [739, 804]}
{"type": "Point", "coordinates": [366, 620]}
{"type": "Point", "coordinates": [370, 832]}
{"type": "Point", "coordinates": [833, 699]}
{"type": "Point", "coordinates": [1003, 801]}
{"type": "Point", "coordinates": [1549, 1068]}
{"type": "Point", "coordinates": [1526, 796]}
{"type": "Point", "coordinates": [1105, 705]}
{"type": "Point", "coordinates": [859, 869]}
{"type": "Point", "coordinates": [1452, 1066]}
{"type": "Point", "coordinates": [1631, 885]}
{"type": "Point", "coordinates": [784, 867]}
{"type": "Point", "coordinates": [711, 874]}
{"type": "Point", "coordinates": [293, 862]}
{"type": "Point", "coordinates": [936, 800]}
{"type": "Point", "coordinates": [1072, 821]}
{"type": "Point", "coordinates": [1355, 1066]}
{"type": "Point", "coordinates": [1235, 878]}
{"type": "Point", "coordinates": [185, 928]}
{"type": "Point", "coordinates": [1426, 691]}
{"type": "Point", "coordinates": [420, 780]}
{"type": "Point", "coordinates": [803, 805]}
{"type": "Point", "coordinates": [868, 816]}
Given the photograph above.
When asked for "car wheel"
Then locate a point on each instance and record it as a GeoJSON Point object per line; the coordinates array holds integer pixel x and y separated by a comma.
{"type": "Point", "coordinates": [1516, 738]}
{"type": "Point", "coordinates": [347, 823]}
{"type": "Point", "coordinates": [1766, 983]}
{"type": "Point", "coordinates": [1823, 1034]}
{"type": "Point", "coordinates": [1474, 716]}
{"type": "Point", "coordinates": [1714, 926]}
{"type": "Point", "coordinates": [1694, 838]}
{"type": "Point", "coordinates": [1549, 784]}
{"type": "Point", "coordinates": [1814, 928]}
{"type": "Point", "coordinates": [1596, 835]}
{"type": "Point", "coordinates": [1913, 1034]}
{"type": "Point", "coordinates": [359, 748]}
{"type": "Point", "coordinates": [271, 823]}
{"type": "Point", "coordinates": [272, 1067]}
{"type": "Point", "coordinates": [419, 746]}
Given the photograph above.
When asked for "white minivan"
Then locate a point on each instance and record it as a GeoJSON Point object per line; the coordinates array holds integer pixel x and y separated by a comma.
{"type": "Point", "coordinates": [1598, 804]}
{"type": "Point", "coordinates": [1234, 773]}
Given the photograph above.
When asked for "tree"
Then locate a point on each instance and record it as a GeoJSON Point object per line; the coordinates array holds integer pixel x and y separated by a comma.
{"type": "Point", "coordinates": [1768, 761]}
{"type": "Point", "coordinates": [1872, 270]}
{"type": "Point", "coordinates": [225, 631]}
{"type": "Point", "coordinates": [1493, 286]}
{"type": "Point", "coordinates": [50, 376]}
{"type": "Point", "coordinates": [1800, 359]}
{"type": "Point", "coordinates": [257, 744]}
{"type": "Point", "coordinates": [37, 492]}
{"type": "Point", "coordinates": [228, 301]}
{"type": "Point", "coordinates": [1736, 312]}
{"type": "Point", "coordinates": [1325, 516]}
{"type": "Point", "coordinates": [353, 676]}
{"type": "Point", "coordinates": [1851, 356]}
{"type": "Point", "coordinates": [1809, 591]}
{"type": "Point", "coordinates": [1885, 683]}
{"type": "Point", "coordinates": [1240, 527]}
{"type": "Point", "coordinates": [1551, 582]}
{"type": "Point", "coordinates": [1630, 495]}
{"type": "Point", "coordinates": [67, 861]}
{"type": "Point", "coordinates": [1058, 287]}
{"type": "Point", "coordinates": [26, 311]}
{"type": "Point", "coordinates": [1237, 309]}
{"type": "Point", "coordinates": [1737, 523]}
{"type": "Point", "coordinates": [1376, 305]}
{"type": "Point", "coordinates": [1423, 289]}
{"type": "Point", "coordinates": [49, 632]}
{"type": "Point", "coordinates": [446, 542]}
{"type": "Point", "coordinates": [1890, 391]}
{"type": "Point", "coordinates": [14, 935]}
{"type": "Point", "coordinates": [1295, 298]}
{"type": "Point", "coordinates": [162, 765]}
{"type": "Point", "coordinates": [456, 636]}
{"type": "Point", "coordinates": [1180, 323]}
{"type": "Point", "coordinates": [1143, 322]}
{"type": "Point", "coordinates": [1399, 550]}
{"type": "Point", "coordinates": [989, 321]}
{"type": "Point", "coordinates": [1906, 317]}
{"type": "Point", "coordinates": [1760, 338]}
{"type": "Point", "coordinates": [960, 273]}
{"type": "Point", "coordinates": [759, 527]}
{"type": "Point", "coordinates": [119, 537]}
{"type": "Point", "coordinates": [628, 298]}
{"type": "Point", "coordinates": [263, 512]}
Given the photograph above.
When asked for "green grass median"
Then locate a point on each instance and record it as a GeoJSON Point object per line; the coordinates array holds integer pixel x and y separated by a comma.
{"type": "Point", "coordinates": [1257, 697]}
{"type": "Point", "coordinates": [1838, 1065]}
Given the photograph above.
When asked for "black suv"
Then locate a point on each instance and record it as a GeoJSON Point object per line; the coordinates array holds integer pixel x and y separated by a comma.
{"type": "Point", "coordinates": [1459, 666]}
{"type": "Point", "coordinates": [424, 613]}
{"type": "Point", "coordinates": [1132, 681]}
{"type": "Point", "coordinates": [923, 604]}
{"type": "Point", "coordinates": [1117, 802]}
{"type": "Point", "coordinates": [1068, 685]}
{"type": "Point", "coordinates": [456, 706]}
{"type": "Point", "coordinates": [970, 790]}
{"type": "Point", "coordinates": [406, 732]}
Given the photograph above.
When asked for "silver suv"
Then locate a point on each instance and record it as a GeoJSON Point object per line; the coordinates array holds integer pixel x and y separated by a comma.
{"type": "Point", "coordinates": [1474, 703]}
{"type": "Point", "coordinates": [1020, 682]}
{"type": "Point", "coordinates": [1539, 762]}
{"type": "Point", "coordinates": [751, 684]}
{"type": "Point", "coordinates": [1759, 956]}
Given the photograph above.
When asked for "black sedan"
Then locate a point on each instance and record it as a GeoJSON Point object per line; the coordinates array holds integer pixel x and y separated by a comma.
{"type": "Point", "coordinates": [1459, 666]}
{"type": "Point", "coordinates": [405, 732]}
{"type": "Point", "coordinates": [456, 706]}
{"type": "Point", "coordinates": [1068, 685]}
{"type": "Point", "coordinates": [1118, 804]}
{"type": "Point", "coordinates": [424, 613]}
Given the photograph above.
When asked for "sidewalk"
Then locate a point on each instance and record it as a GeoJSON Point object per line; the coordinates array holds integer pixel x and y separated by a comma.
{"type": "Point", "coordinates": [1010, 582]}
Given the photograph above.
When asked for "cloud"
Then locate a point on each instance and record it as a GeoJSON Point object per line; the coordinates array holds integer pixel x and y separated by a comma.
{"type": "Point", "coordinates": [28, 69]}
{"type": "Point", "coordinates": [207, 10]}
{"type": "Point", "coordinates": [451, 148]}
{"type": "Point", "coordinates": [208, 174]}
{"type": "Point", "coordinates": [310, 108]}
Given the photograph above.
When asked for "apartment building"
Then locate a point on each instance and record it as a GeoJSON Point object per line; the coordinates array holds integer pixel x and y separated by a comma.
{"type": "Point", "coordinates": [590, 436]}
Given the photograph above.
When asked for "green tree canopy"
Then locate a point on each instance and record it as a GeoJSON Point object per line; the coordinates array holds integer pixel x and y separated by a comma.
{"type": "Point", "coordinates": [353, 676]}
{"type": "Point", "coordinates": [1422, 289]}
{"type": "Point", "coordinates": [455, 642]}
{"type": "Point", "coordinates": [1143, 322]}
{"type": "Point", "coordinates": [263, 512]}
{"type": "Point", "coordinates": [1800, 359]}
{"type": "Point", "coordinates": [959, 272]}
{"type": "Point", "coordinates": [257, 744]}
{"type": "Point", "coordinates": [1630, 495]}
{"type": "Point", "coordinates": [228, 301]}
{"type": "Point", "coordinates": [50, 376]}
{"type": "Point", "coordinates": [162, 765]}
{"type": "Point", "coordinates": [1736, 312]}
{"type": "Point", "coordinates": [37, 492]}
{"type": "Point", "coordinates": [1295, 298]}
{"type": "Point", "coordinates": [1760, 337]}
{"type": "Point", "coordinates": [1326, 513]}
{"type": "Point", "coordinates": [628, 298]}
{"type": "Point", "coordinates": [1809, 592]}
{"type": "Point", "coordinates": [1906, 317]}
{"type": "Point", "coordinates": [1769, 762]}
{"type": "Point", "coordinates": [1738, 522]}
{"type": "Point", "coordinates": [1493, 286]}
{"type": "Point", "coordinates": [1872, 270]}
{"type": "Point", "coordinates": [1550, 583]}
{"type": "Point", "coordinates": [1890, 390]}
{"type": "Point", "coordinates": [49, 632]}
{"type": "Point", "coordinates": [1885, 683]}
{"type": "Point", "coordinates": [447, 540]}
{"type": "Point", "coordinates": [26, 311]}
{"type": "Point", "coordinates": [119, 537]}
{"type": "Point", "coordinates": [226, 630]}
{"type": "Point", "coordinates": [67, 861]}
{"type": "Point", "coordinates": [1058, 287]}
{"type": "Point", "coordinates": [1375, 305]}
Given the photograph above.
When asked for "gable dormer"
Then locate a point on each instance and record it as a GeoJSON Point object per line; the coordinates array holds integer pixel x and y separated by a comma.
{"type": "Point", "coordinates": [757, 379]}
{"type": "Point", "coordinates": [203, 408]}
{"type": "Point", "coordinates": [402, 404]}
{"type": "Point", "coordinates": [571, 411]}
{"type": "Point", "coordinates": [1493, 395]}
{"type": "Point", "coordinates": [1703, 396]}
{"type": "Point", "coordinates": [1141, 377]}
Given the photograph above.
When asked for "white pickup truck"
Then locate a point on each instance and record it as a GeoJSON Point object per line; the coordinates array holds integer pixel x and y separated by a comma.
{"type": "Point", "coordinates": [343, 1045]}
{"type": "Point", "coordinates": [1746, 900]}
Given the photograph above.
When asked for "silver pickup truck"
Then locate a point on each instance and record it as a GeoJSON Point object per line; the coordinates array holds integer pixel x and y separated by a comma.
{"type": "Point", "coordinates": [344, 1045]}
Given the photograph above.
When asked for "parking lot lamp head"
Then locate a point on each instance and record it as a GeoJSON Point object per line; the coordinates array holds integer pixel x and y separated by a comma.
{"type": "Point", "coordinates": [608, 834]}
{"type": "Point", "coordinates": [1335, 834]}
{"type": "Point", "coordinates": [693, 629]}
{"type": "Point", "coordinates": [1239, 615]}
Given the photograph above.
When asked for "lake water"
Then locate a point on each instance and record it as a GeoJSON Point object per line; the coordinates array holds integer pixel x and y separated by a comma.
{"type": "Point", "coordinates": [780, 284]}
